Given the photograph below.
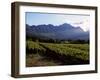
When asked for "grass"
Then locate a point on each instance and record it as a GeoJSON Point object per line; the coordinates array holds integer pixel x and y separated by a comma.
{"type": "Point", "coordinates": [34, 45]}
{"type": "Point", "coordinates": [50, 54]}
{"type": "Point", "coordinates": [79, 50]}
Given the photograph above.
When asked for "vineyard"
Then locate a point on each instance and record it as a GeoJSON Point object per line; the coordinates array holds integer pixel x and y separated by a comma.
{"type": "Point", "coordinates": [56, 54]}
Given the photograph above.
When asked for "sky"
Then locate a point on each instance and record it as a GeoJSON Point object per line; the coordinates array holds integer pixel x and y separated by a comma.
{"type": "Point", "coordinates": [77, 20]}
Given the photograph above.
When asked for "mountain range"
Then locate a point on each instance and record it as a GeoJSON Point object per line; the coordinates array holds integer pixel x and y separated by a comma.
{"type": "Point", "coordinates": [61, 32]}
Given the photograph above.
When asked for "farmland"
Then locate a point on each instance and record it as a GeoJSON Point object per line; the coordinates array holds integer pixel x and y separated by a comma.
{"type": "Point", "coordinates": [53, 54]}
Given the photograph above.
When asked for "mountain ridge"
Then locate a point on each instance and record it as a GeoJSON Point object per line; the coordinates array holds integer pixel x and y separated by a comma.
{"type": "Point", "coordinates": [62, 32]}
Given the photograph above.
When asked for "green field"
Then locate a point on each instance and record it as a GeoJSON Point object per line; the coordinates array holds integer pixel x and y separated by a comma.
{"type": "Point", "coordinates": [52, 54]}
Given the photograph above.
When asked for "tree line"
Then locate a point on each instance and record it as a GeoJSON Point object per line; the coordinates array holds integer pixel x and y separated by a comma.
{"type": "Point", "coordinates": [78, 41]}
